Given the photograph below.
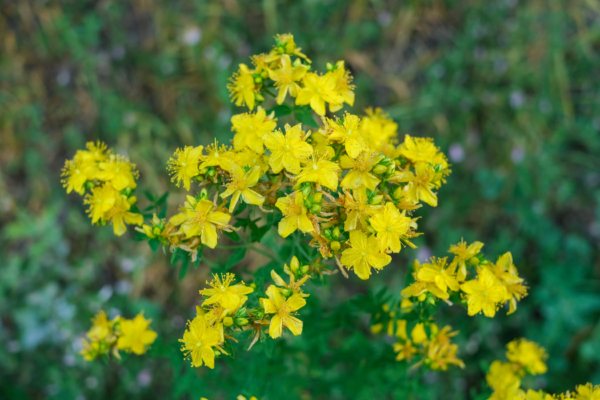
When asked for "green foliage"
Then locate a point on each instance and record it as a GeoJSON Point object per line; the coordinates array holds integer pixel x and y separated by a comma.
{"type": "Point", "coordinates": [507, 88]}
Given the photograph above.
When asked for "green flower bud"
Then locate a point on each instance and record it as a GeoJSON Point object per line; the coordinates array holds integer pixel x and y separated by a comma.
{"type": "Point", "coordinates": [258, 79]}
{"type": "Point", "coordinates": [327, 233]}
{"type": "Point", "coordinates": [199, 178]}
{"type": "Point", "coordinates": [89, 185]}
{"type": "Point", "coordinates": [286, 292]}
{"type": "Point", "coordinates": [156, 231]}
{"type": "Point", "coordinates": [376, 199]}
{"type": "Point", "coordinates": [335, 245]}
{"type": "Point", "coordinates": [380, 169]}
{"type": "Point", "coordinates": [241, 321]}
{"type": "Point", "coordinates": [473, 261]}
{"type": "Point", "coordinates": [336, 232]}
{"type": "Point", "coordinates": [259, 97]}
{"type": "Point", "coordinates": [227, 321]}
{"type": "Point", "coordinates": [264, 74]}
{"type": "Point", "coordinates": [306, 190]}
{"type": "Point", "coordinates": [203, 171]}
{"type": "Point", "coordinates": [305, 269]}
{"type": "Point", "coordinates": [329, 66]}
{"type": "Point", "coordinates": [217, 352]}
{"type": "Point", "coordinates": [315, 208]}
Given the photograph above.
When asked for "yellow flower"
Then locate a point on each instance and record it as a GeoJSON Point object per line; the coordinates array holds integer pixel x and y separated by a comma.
{"type": "Point", "coordinates": [120, 215]}
{"type": "Point", "coordinates": [528, 355]}
{"type": "Point", "coordinates": [101, 328]}
{"type": "Point", "coordinates": [286, 77]}
{"type": "Point", "coordinates": [321, 144]}
{"type": "Point", "coordinates": [317, 90]}
{"type": "Point", "coordinates": [198, 218]}
{"type": "Point", "coordinates": [484, 293]}
{"type": "Point", "coordinates": [294, 285]}
{"type": "Point", "coordinates": [285, 45]}
{"type": "Point", "coordinates": [284, 311]}
{"type": "Point", "coordinates": [418, 334]}
{"type": "Point", "coordinates": [198, 342]}
{"type": "Point", "coordinates": [242, 87]}
{"type": "Point", "coordinates": [507, 273]}
{"type": "Point", "coordinates": [319, 169]}
{"type": "Point", "coordinates": [76, 173]}
{"type": "Point", "coordinates": [218, 156]}
{"type": "Point", "coordinates": [287, 150]}
{"type": "Point", "coordinates": [502, 377]}
{"type": "Point", "coordinates": [349, 132]}
{"type": "Point", "coordinates": [437, 273]}
{"type": "Point", "coordinates": [379, 129]}
{"type": "Point", "coordinates": [417, 289]}
{"type": "Point", "coordinates": [419, 149]}
{"type": "Point", "coordinates": [294, 215]}
{"type": "Point", "coordinates": [250, 128]}
{"type": "Point", "coordinates": [359, 174]}
{"type": "Point", "coordinates": [405, 350]}
{"type": "Point", "coordinates": [119, 172]}
{"type": "Point", "coordinates": [101, 201]}
{"type": "Point", "coordinates": [588, 392]}
{"type": "Point", "coordinates": [391, 227]}
{"type": "Point", "coordinates": [357, 209]}
{"type": "Point", "coordinates": [185, 165]}
{"type": "Point", "coordinates": [96, 152]}
{"type": "Point", "coordinates": [222, 292]}
{"type": "Point", "coordinates": [464, 254]}
{"type": "Point", "coordinates": [343, 87]}
{"type": "Point", "coordinates": [241, 182]}
{"type": "Point", "coordinates": [363, 254]}
{"type": "Point", "coordinates": [248, 158]}
{"type": "Point", "coordinates": [135, 335]}
{"type": "Point", "coordinates": [420, 183]}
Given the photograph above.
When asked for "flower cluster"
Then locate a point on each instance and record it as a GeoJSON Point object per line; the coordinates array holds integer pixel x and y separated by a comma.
{"type": "Point", "coordinates": [526, 357]}
{"type": "Point", "coordinates": [109, 181]}
{"type": "Point", "coordinates": [109, 336]}
{"type": "Point", "coordinates": [287, 70]}
{"type": "Point", "coordinates": [493, 285]}
{"type": "Point", "coordinates": [431, 345]}
{"type": "Point", "coordinates": [224, 313]}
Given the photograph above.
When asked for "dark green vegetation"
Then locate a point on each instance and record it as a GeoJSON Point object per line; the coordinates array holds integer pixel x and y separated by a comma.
{"type": "Point", "coordinates": [509, 88]}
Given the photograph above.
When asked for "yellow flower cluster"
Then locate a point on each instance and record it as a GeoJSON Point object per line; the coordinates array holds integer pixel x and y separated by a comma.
{"type": "Point", "coordinates": [494, 284]}
{"type": "Point", "coordinates": [291, 76]}
{"type": "Point", "coordinates": [526, 357]}
{"type": "Point", "coordinates": [225, 312]}
{"type": "Point", "coordinates": [110, 180]}
{"type": "Point", "coordinates": [109, 336]}
{"type": "Point", "coordinates": [427, 342]}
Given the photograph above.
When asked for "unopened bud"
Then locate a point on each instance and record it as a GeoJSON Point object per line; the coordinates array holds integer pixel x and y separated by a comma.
{"type": "Point", "coordinates": [306, 190]}
{"type": "Point", "coordinates": [156, 231]}
{"type": "Point", "coordinates": [376, 199]}
{"type": "Point", "coordinates": [259, 97]}
{"type": "Point", "coordinates": [327, 233]}
{"type": "Point", "coordinates": [127, 191]}
{"type": "Point", "coordinates": [431, 300]}
{"type": "Point", "coordinates": [329, 66]}
{"type": "Point", "coordinates": [315, 208]}
{"type": "Point", "coordinates": [204, 192]}
{"type": "Point", "coordinates": [264, 74]}
{"type": "Point", "coordinates": [258, 79]}
{"type": "Point", "coordinates": [305, 269]}
{"type": "Point", "coordinates": [473, 261]}
{"type": "Point", "coordinates": [132, 200]}
{"type": "Point", "coordinates": [397, 193]}
{"type": "Point", "coordinates": [217, 352]}
{"type": "Point", "coordinates": [252, 285]}
{"type": "Point", "coordinates": [422, 297]}
{"type": "Point", "coordinates": [211, 172]}
{"type": "Point", "coordinates": [336, 232]}
{"type": "Point", "coordinates": [228, 321]}
{"type": "Point", "coordinates": [241, 321]}
{"type": "Point", "coordinates": [380, 169]}
{"type": "Point", "coordinates": [286, 292]}
{"type": "Point", "coordinates": [199, 178]}
{"type": "Point", "coordinates": [335, 245]}
{"type": "Point", "coordinates": [203, 171]}
{"type": "Point", "coordinates": [317, 197]}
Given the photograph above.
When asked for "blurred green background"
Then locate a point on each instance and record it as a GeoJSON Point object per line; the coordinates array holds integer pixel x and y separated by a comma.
{"type": "Point", "coordinates": [508, 88]}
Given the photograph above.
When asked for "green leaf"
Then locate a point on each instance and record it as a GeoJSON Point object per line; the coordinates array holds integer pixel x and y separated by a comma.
{"type": "Point", "coordinates": [229, 348]}
{"type": "Point", "coordinates": [149, 196]}
{"type": "Point", "coordinates": [239, 209]}
{"type": "Point", "coordinates": [154, 243]}
{"type": "Point", "coordinates": [281, 110]}
{"type": "Point", "coordinates": [236, 257]}
{"type": "Point", "coordinates": [304, 116]}
{"type": "Point", "coordinates": [184, 269]}
{"type": "Point", "coordinates": [257, 233]}
{"type": "Point", "coordinates": [162, 199]}
{"type": "Point", "coordinates": [233, 235]}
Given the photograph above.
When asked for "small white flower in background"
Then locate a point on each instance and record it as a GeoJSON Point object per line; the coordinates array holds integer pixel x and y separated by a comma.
{"type": "Point", "coordinates": [144, 378]}
{"type": "Point", "coordinates": [517, 155]}
{"type": "Point", "coordinates": [191, 36]}
{"type": "Point", "coordinates": [456, 153]}
{"type": "Point", "coordinates": [423, 254]}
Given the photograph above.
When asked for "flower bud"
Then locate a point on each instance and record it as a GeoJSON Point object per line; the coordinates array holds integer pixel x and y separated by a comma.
{"type": "Point", "coordinates": [203, 171]}
{"type": "Point", "coordinates": [155, 220]}
{"type": "Point", "coordinates": [317, 197]}
{"type": "Point", "coordinates": [264, 74]}
{"type": "Point", "coordinates": [156, 231]}
{"type": "Point", "coordinates": [211, 171]}
{"type": "Point", "coordinates": [241, 321]}
{"type": "Point", "coordinates": [336, 232]}
{"type": "Point", "coordinates": [227, 321]}
{"type": "Point", "coordinates": [422, 297]}
{"type": "Point", "coordinates": [329, 66]}
{"type": "Point", "coordinates": [305, 269]}
{"type": "Point", "coordinates": [335, 245]}
{"type": "Point", "coordinates": [379, 169]}
{"type": "Point", "coordinates": [315, 208]}
{"type": "Point", "coordinates": [259, 97]}
{"type": "Point", "coordinates": [327, 233]}
{"type": "Point", "coordinates": [252, 285]}
{"type": "Point", "coordinates": [199, 178]}
{"type": "Point", "coordinates": [258, 79]}
{"type": "Point", "coordinates": [127, 191]}
{"type": "Point", "coordinates": [473, 261]}
{"type": "Point", "coordinates": [286, 292]}
{"type": "Point", "coordinates": [204, 193]}
{"type": "Point", "coordinates": [397, 193]}
{"type": "Point", "coordinates": [89, 185]}
{"type": "Point", "coordinates": [431, 300]}
{"type": "Point", "coordinates": [306, 190]}
{"type": "Point", "coordinates": [217, 352]}
{"type": "Point", "coordinates": [376, 199]}
{"type": "Point", "coordinates": [132, 200]}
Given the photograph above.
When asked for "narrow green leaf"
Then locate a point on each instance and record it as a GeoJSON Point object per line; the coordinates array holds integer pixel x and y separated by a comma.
{"type": "Point", "coordinates": [237, 256]}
